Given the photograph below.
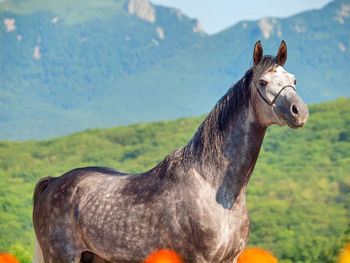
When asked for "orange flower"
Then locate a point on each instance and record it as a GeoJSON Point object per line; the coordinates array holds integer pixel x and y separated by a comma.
{"type": "Point", "coordinates": [253, 255]}
{"type": "Point", "coordinates": [163, 256]}
{"type": "Point", "coordinates": [344, 256]}
{"type": "Point", "coordinates": [8, 258]}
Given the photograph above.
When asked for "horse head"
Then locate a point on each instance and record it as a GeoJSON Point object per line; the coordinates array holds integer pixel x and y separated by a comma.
{"type": "Point", "coordinates": [273, 90]}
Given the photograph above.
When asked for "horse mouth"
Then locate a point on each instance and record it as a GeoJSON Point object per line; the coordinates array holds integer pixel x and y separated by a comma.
{"type": "Point", "coordinates": [288, 119]}
{"type": "Point", "coordinates": [295, 126]}
{"type": "Point", "coordinates": [280, 117]}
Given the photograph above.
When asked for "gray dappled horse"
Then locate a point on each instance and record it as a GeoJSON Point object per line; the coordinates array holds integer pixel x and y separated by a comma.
{"type": "Point", "coordinates": [192, 202]}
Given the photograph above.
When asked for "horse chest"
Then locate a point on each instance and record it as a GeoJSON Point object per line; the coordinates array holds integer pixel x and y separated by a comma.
{"type": "Point", "coordinates": [219, 234]}
{"type": "Point", "coordinates": [230, 236]}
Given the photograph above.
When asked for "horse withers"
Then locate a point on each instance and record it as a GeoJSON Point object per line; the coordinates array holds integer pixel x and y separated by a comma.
{"type": "Point", "coordinates": [193, 202]}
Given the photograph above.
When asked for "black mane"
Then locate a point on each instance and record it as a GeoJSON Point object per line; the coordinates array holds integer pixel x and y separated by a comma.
{"type": "Point", "coordinates": [236, 100]}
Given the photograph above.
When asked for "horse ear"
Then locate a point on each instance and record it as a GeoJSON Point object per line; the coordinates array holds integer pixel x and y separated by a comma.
{"type": "Point", "coordinates": [282, 53]}
{"type": "Point", "coordinates": [258, 53]}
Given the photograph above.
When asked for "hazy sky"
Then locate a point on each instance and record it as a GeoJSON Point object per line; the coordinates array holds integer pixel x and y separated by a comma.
{"type": "Point", "coordinates": [216, 15]}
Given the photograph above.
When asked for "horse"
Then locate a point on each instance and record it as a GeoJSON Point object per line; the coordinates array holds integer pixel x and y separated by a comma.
{"type": "Point", "coordinates": [192, 202]}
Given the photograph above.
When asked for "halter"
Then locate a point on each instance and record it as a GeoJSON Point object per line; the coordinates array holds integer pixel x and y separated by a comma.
{"type": "Point", "coordinates": [275, 98]}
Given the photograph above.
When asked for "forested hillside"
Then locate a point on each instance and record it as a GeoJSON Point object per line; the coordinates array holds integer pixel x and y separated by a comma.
{"type": "Point", "coordinates": [71, 65]}
{"type": "Point", "coordinates": [298, 196]}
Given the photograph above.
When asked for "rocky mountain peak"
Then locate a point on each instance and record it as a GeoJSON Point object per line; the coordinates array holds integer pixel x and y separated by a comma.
{"type": "Point", "coordinates": [143, 9]}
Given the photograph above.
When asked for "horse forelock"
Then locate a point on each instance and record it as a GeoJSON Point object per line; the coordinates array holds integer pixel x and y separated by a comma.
{"type": "Point", "coordinates": [267, 63]}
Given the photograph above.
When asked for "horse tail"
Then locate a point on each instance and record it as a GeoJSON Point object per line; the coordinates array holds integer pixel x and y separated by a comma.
{"type": "Point", "coordinates": [38, 257]}
{"type": "Point", "coordinates": [40, 187]}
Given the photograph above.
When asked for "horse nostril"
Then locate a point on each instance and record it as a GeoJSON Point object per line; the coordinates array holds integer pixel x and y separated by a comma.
{"type": "Point", "coordinates": [295, 109]}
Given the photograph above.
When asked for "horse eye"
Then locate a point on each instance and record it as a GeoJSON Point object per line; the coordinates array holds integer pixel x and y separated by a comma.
{"type": "Point", "coordinates": [262, 83]}
{"type": "Point", "coordinates": [295, 82]}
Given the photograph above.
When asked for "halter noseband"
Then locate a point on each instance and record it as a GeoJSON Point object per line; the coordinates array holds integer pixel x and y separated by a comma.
{"type": "Point", "coordinates": [275, 98]}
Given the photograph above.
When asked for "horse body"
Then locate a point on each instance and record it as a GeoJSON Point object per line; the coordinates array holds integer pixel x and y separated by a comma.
{"type": "Point", "coordinates": [122, 218]}
{"type": "Point", "coordinates": [192, 202]}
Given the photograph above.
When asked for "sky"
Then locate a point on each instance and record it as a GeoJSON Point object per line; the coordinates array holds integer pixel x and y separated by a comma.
{"type": "Point", "coordinates": [216, 15]}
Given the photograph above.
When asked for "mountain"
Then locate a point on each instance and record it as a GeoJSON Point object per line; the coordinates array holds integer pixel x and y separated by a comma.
{"type": "Point", "coordinates": [71, 65]}
{"type": "Point", "coordinates": [58, 58]}
{"type": "Point", "coordinates": [298, 196]}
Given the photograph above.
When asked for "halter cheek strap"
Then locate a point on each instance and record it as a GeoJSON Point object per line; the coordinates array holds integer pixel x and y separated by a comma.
{"type": "Point", "coordinates": [275, 98]}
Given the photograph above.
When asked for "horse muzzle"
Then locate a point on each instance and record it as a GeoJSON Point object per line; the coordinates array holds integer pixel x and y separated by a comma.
{"type": "Point", "coordinates": [292, 110]}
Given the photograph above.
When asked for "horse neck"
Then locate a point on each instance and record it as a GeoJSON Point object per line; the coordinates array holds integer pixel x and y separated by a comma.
{"type": "Point", "coordinates": [227, 144]}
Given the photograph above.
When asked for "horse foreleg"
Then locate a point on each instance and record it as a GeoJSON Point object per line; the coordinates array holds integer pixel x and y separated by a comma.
{"type": "Point", "coordinates": [61, 256]}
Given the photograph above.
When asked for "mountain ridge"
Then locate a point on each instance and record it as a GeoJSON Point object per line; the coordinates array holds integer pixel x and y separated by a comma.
{"type": "Point", "coordinates": [57, 78]}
